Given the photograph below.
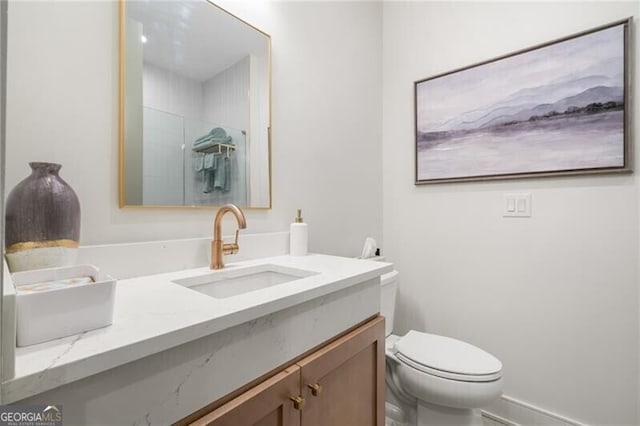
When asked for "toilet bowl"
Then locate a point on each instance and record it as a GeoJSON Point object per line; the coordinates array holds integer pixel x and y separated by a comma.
{"type": "Point", "coordinates": [432, 379]}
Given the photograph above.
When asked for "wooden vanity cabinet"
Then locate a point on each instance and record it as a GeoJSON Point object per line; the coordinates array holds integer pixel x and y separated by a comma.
{"type": "Point", "coordinates": [266, 404]}
{"type": "Point", "coordinates": [342, 383]}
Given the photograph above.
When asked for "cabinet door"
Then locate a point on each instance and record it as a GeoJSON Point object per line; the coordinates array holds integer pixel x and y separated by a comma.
{"type": "Point", "coordinates": [343, 382]}
{"type": "Point", "coordinates": [267, 404]}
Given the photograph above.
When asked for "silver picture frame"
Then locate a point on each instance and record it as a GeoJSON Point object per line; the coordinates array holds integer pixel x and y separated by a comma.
{"type": "Point", "coordinates": [559, 108]}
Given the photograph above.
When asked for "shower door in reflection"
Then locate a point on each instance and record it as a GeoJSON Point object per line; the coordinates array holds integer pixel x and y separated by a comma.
{"type": "Point", "coordinates": [177, 171]}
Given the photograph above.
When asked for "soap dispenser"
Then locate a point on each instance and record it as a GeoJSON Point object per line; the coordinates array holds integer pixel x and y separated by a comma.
{"type": "Point", "coordinates": [298, 237]}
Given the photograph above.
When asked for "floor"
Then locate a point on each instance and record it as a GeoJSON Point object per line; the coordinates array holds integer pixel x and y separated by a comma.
{"type": "Point", "coordinates": [486, 421]}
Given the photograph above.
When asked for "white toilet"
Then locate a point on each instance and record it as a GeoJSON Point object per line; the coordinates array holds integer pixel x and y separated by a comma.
{"type": "Point", "coordinates": [434, 380]}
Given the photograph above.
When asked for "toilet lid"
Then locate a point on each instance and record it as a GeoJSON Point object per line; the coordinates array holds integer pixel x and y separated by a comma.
{"type": "Point", "coordinates": [446, 357]}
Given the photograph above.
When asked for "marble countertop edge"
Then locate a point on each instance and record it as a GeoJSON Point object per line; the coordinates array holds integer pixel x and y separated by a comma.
{"type": "Point", "coordinates": [51, 364]}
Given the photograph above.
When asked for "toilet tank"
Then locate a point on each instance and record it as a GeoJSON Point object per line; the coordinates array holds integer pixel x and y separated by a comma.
{"type": "Point", "coordinates": [389, 288]}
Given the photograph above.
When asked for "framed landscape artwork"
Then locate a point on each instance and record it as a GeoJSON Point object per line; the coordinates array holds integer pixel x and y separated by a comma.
{"type": "Point", "coordinates": [559, 108]}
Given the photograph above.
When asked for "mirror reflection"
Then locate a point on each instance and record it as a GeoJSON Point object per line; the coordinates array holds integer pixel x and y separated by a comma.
{"type": "Point", "coordinates": [195, 107]}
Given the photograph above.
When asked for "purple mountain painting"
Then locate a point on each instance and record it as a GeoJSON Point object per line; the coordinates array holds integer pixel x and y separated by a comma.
{"type": "Point", "coordinates": [556, 108]}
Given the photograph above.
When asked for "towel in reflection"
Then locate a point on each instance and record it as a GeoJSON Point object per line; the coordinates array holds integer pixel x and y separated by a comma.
{"type": "Point", "coordinates": [222, 179]}
{"type": "Point", "coordinates": [208, 182]}
{"type": "Point", "coordinates": [216, 136]}
{"type": "Point", "coordinates": [210, 165]}
{"type": "Point", "coordinates": [198, 162]}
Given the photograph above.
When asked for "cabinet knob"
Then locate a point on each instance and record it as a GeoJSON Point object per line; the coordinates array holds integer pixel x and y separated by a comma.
{"type": "Point", "coordinates": [298, 402]}
{"type": "Point", "coordinates": [316, 389]}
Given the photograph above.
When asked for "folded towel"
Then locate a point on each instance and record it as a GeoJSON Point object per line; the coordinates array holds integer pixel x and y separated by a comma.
{"type": "Point", "coordinates": [209, 139]}
{"type": "Point", "coordinates": [201, 138]}
{"type": "Point", "coordinates": [215, 133]}
{"type": "Point", "coordinates": [210, 142]}
{"type": "Point", "coordinates": [218, 132]}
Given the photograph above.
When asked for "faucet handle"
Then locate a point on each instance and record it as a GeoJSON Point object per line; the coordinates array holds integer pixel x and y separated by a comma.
{"type": "Point", "coordinates": [231, 248]}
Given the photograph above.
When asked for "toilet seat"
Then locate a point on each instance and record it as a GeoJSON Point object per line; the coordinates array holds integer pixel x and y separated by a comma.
{"type": "Point", "coordinates": [446, 358]}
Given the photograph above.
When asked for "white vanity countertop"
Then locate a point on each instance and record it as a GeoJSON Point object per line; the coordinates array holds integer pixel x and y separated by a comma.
{"type": "Point", "coordinates": [153, 314]}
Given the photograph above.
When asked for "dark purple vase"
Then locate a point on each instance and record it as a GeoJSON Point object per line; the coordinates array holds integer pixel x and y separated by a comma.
{"type": "Point", "coordinates": [42, 221]}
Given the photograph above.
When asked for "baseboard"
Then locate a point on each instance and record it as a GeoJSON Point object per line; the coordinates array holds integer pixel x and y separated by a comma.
{"type": "Point", "coordinates": [512, 412]}
{"type": "Point", "coordinates": [490, 419]}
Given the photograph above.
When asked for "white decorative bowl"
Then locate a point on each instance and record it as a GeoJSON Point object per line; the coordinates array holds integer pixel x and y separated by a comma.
{"type": "Point", "coordinates": [54, 303]}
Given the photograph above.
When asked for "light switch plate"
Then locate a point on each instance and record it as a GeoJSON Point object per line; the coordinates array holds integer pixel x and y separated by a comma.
{"type": "Point", "coordinates": [517, 205]}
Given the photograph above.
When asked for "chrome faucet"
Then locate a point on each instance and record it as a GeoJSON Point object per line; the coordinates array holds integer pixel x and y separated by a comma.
{"type": "Point", "coordinates": [218, 247]}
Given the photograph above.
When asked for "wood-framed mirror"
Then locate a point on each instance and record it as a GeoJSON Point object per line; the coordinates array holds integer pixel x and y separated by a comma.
{"type": "Point", "coordinates": [195, 97]}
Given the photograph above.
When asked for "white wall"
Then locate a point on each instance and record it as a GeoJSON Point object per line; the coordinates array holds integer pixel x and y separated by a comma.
{"type": "Point", "coordinates": [167, 91]}
{"type": "Point", "coordinates": [226, 96]}
{"type": "Point", "coordinates": [63, 107]}
{"type": "Point", "coordinates": [555, 296]}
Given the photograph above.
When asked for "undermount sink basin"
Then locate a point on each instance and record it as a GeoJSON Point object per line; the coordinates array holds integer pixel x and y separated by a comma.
{"type": "Point", "coordinates": [233, 282]}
